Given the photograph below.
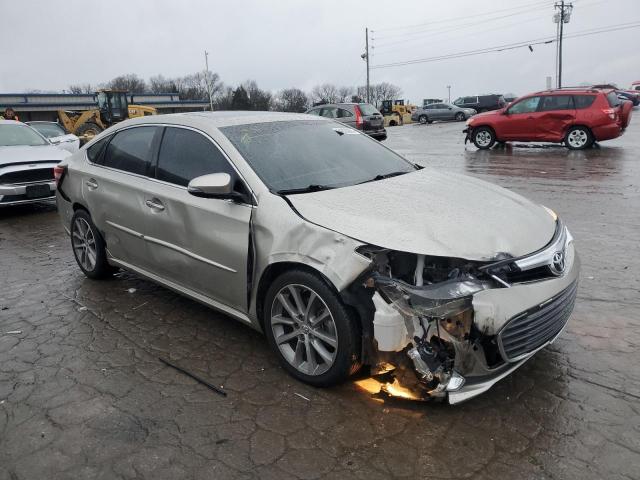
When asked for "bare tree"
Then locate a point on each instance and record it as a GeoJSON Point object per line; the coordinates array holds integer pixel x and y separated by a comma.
{"type": "Point", "coordinates": [325, 93]}
{"type": "Point", "coordinates": [258, 99]}
{"type": "Point", "coordinates": [194, 86]}
{"type": "Point", "coordinates": [379, 92]}
{"type": "Point", "coordinates": [160, 84]}
{"type": "Point", "coordinates": [345, 93]}
{"type": "Point", "coordinates": [291, 100]}
{"type": "Point", "coordinates": [81, 88]}
{"type": "Point", "coordinates": [129, 82]}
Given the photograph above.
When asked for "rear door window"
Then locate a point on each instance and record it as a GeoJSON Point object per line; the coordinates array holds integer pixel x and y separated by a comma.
{"type": "Point", "coordinates": [557, 102]}
{"type": "Point", "coordinates": [468, 100]}
{"type": "Point", "coordinates": [315, 111]}
{"type": "Point", "coordinates": [186, 154]}
{"type": "Point", "coordinates": [342, 113]}
{"type": "Point", "coordinates": [583, 101]}
{"type": "Point", "coordinates": [131, 150]}
{"type": "Point", "coordinates": [528, 105]}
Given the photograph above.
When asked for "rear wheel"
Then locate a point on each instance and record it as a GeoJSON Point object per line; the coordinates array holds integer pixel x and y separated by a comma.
{"type": "Point", "coordinates": [578, 138]}
{"type": "Point", "coordinates": [89, 247]}
{"type": "Point", "coordinates": [312, 332]}
{"type": "Point", "coordinates": [422, 119]}
{"type": "Point", "coordinates": [459, 116]}
{"type": "Point", "coordinates": [484, 138]}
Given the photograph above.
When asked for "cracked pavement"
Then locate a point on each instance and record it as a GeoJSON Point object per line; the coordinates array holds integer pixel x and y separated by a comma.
{"type": "Point", "coordinates": [83, 395]}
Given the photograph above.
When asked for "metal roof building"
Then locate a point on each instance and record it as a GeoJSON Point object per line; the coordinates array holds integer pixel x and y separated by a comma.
{"type": "Point", "coordinates": [44, 106]}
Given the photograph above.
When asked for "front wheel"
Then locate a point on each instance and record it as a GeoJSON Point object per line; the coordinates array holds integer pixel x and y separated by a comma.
{"type": "Point", "coordinates": [459, 116]}
{"type": "Point", "coordinates": [89, 247]}
{"type": "Point", "coordinates": [578, 138]}
{"type": "Point", "coordinates": [422, 119]}
{"type": "Point", "coordinates": [484, 138]}
{"type": "Point", "coordinates": [312, 332]}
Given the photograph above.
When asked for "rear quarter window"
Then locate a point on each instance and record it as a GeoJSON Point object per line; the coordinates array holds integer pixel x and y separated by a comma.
{"type": "Point", "coordinates": [368, 109]}
{"type": "Point", "coordinates": [613, 99]}
{"type": "Point", "coordinates": [583, 101]}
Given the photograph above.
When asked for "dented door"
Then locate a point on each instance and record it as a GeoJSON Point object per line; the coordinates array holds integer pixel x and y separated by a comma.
{"type": "Point", "coordinates": [555, 115]}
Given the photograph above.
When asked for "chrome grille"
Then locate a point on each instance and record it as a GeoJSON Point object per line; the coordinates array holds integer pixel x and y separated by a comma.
{"type": "Point", "coordinates": [535, 327]}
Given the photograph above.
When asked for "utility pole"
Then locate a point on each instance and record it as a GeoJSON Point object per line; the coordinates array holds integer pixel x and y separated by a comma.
{"type": "Point", "coordinates": [366, 57]}
{"type": "Point", "coordinates": [449, 89]}
{"type": "Point", "coordinates": [562, 17]}
{"type": "Point", "coordinates": [207, 76]}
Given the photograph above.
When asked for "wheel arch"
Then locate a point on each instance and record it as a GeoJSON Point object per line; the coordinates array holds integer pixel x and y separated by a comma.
{"type": "Point", "coordinates": [355, 299]}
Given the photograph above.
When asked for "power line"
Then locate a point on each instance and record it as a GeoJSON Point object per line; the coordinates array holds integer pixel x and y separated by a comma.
{"type": "Point", "coordinates": [449, 28]}
{"type": "Point", "coordinates": [454, 19]}
{"type": "Point", "coordinates": [512, 46]}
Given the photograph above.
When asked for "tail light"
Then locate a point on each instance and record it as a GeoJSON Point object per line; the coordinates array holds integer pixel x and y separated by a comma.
{"type": "Point", "coordinates": [58, 172]}
{"type": "Point", "coordinates": [611, 112]}
{"type": "Point", "coordinates": [359, 119]}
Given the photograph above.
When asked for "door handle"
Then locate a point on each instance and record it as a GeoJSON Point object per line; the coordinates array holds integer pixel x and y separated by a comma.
{"type": "Point", "coordinates": [92, 184]}
{"type": "Point", "coordinates": [155, 204]}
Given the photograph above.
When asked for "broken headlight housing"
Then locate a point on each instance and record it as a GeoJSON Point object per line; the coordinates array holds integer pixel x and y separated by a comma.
{"type": "Point", "coordinates": [448, 302]}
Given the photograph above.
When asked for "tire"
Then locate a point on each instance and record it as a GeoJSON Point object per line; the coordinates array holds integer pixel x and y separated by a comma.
{"type": "Point", "coordinates": [422, 119]}
{"type": "Point", "coordinates": [460, 116]}
{"type": "Point", "coordinates": [89, 247]}
{"type": "Point", "coordinates": [392, 123]}
{"type": "Point", "coordinates": [484, 138]}
{"type": "Point", "coordinates": [333, 344]}
{"type": "Point", "coordinates": [578, 138]}
{"type": "Point", "coordinates": [87, 131]}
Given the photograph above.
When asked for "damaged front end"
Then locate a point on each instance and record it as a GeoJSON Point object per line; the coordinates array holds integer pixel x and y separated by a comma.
{"type": "Point", "coordinates": [440, 322]}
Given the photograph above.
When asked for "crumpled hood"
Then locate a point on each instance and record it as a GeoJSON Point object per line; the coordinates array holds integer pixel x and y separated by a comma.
{"type": "Point", "coordinates": [24, 153]}
{"type": "Point", "coordinates": [433, 213]}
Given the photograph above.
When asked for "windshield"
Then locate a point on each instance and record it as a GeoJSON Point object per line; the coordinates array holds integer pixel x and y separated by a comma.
{"type": "Point", "coordinates": [49, 130]}
{"type": "Point", "coordinates": [15, 134]}
{"type": "Point", "coordinates": [294, 155]}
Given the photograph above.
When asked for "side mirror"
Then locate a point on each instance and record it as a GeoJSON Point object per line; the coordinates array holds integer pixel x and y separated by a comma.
{"type": "Point", "coordinates": [213, 185]}
{"type": "Point", "coordinates": [53, 141]}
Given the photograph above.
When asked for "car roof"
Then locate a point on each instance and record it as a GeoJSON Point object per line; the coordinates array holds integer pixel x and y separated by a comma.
{"type": "Point", "coordinates": [561, 91]}
{"type": "Point", "coordinates": [222, 118]}
{"type": "Point", "coordinates": [10, 122]}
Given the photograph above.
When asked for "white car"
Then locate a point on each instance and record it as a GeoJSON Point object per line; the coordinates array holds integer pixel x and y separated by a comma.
{"type": "Point", "coordinates": [57, 135]}
{"type": "Point", "coordinates": [26, 164]}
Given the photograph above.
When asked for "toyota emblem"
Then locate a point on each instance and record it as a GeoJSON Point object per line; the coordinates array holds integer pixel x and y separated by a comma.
{"type": "Point", "coordinates": [557, 263]}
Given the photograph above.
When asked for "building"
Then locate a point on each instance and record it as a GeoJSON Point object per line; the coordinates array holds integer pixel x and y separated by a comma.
{"type": "Point", "coordinates": [45, 106]}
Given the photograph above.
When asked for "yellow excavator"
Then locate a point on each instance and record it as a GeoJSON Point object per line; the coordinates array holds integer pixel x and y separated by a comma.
{"type": "Point", "coordinates": [113, 107]}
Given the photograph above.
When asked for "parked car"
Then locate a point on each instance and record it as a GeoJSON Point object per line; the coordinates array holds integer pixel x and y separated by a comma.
{"type": "Point", "coordinates": [301, 228]}
{"type": "Point", "coordinates": [27, 160]}
{"type": "Point", "coordinates": [633, 97]}
{"type": "Point", "coordinates": [481, 103]}
{"type": "Point", "coordinates": [57, 135]}
{"type": "Point", "coordinates": [429, 101]}
{"type": "Point", "coordinates": [361, 116]}
{"type": "Point", "coordinates": [441, 111]}
{"type": "Point", "coordinates": [635, 86]}
{"type": "Point", "coordinates": [577, 117]}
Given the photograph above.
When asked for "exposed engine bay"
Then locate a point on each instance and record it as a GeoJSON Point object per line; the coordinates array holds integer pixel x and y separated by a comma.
{"type": "Point", "coordinates": [424, 316]}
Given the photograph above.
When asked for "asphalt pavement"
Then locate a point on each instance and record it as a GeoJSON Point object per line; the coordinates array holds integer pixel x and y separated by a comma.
{"type": "Point", "coordinates": [83, 394]}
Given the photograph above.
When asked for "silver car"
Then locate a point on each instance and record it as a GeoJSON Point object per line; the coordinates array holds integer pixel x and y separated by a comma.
{"type": "Point", "coordinates": [440, 112]}
{"type": "Point", "coordinates": [341, 251]}
{"type": "Point", "coordinates": [57, 135]}
{"type": "Point", "coordinates": [27, 161]}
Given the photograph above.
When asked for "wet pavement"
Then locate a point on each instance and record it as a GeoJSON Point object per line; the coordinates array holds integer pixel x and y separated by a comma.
{"type": "Point", "coordinates": [83, 395]}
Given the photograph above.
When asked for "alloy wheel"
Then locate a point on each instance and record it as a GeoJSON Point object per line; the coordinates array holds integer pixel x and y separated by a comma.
{"type": "Point", "coordinates": [84, 244]}
{"type": "Point", "coordinates": [304, 329]}
{"type": "Point", "coordinates": [577, 138]}
{"type": "Point", "coordinates": [483, 138]}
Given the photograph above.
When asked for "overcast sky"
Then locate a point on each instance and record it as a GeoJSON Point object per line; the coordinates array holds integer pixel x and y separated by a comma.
{"type": "Point", "coordinates": [50, 44]}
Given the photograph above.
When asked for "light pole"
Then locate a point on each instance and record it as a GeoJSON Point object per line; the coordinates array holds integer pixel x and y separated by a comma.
{"type": "Point", "coordinates": [207, 76]}
{"type": "Point", "coordinates": [365, 57]}
{"type": "Point", "coordinates": [449, 93]}
{"type": "Point", "coordinates": [562, 17]}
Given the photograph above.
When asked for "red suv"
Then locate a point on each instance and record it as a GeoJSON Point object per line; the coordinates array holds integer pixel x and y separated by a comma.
{"type": "Point", "coordinates": [577, 117]}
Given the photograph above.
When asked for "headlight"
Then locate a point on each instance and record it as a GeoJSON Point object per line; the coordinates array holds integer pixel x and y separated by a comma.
{"type": "Point", "coordinates": [436, 301]}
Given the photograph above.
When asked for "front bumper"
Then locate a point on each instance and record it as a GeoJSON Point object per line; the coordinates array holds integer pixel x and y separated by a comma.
{"type": "Point", "coordinates": [494, 309]}
{"type": "Point", "coordinates": [17, 194]}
